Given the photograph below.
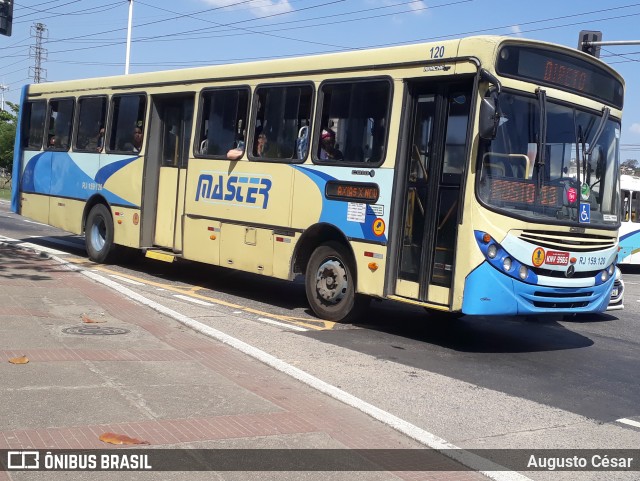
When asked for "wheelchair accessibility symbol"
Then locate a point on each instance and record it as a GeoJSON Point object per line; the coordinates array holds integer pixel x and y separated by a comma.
{"type": "Point", "coordinates": [585, 213]}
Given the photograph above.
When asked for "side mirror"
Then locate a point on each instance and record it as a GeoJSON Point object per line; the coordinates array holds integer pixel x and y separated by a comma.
{"type": "Point", "coordinates": [489, 117]}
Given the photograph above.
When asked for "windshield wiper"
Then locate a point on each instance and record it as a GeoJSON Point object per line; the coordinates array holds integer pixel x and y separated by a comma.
{"type": "Point", "coordinates": [585, 158]}
{"type": "Point", "coordinates": [541, 143]}
{"type": "Point", "coordinates": [592, 145]}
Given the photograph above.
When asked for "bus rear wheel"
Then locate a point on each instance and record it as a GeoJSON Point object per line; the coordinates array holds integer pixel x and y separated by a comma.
{"type": "Point", "coordinates": [330, 284]}
{"type": "Point", "coordinates": [98, 235]}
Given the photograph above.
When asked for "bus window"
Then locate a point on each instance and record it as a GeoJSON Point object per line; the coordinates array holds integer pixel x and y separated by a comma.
{"type": "Point", "coordinates": [634, 206]}
{"type": "Point", "coordinates": [355, 114]}
{"type": "Point", "coordinates": [33, 125]}
{"type": "Point", "coordinates": [60, 122]}
{"type": "Point", "coordinates": [223, 122]}
{"type": "Point", "coordinates": [456, 139]}
{"type": "Point", "coordinates": [280, 115]}
{"type": "Point", "coordinates": [625, 205]}
{"type": "Point", "coordinates": [91, 121]}
{"type": "Point", "coordinates": [127, 123]}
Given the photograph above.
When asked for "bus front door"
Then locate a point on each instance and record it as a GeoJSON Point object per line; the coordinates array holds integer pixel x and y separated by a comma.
{"type": "Point", "coordinates": [171, 138]}
{"type": "Point", "coordinates": [431, 180]}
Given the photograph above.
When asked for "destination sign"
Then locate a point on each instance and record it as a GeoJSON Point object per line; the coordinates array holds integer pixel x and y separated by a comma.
{"type": "Point", "coordinates": [560, 70]}
{"type": "Point", "coordinates": [366, 193]}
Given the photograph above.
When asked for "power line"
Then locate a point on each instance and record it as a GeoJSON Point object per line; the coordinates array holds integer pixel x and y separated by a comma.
{"type": "Point", "coordinates": [181, 35]}
{"type": "Point", "coordinates": [176, 35]}
{"type": "Point", "coordinates": [42, 11]}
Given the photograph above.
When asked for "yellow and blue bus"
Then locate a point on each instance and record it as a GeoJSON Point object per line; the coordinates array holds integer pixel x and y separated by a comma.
{"type": "Point", "coordinates": [475, 176]}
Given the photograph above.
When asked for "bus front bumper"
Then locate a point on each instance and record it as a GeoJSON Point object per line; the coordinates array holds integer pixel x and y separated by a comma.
{"type": "Point", "coordinates": [488, 291]}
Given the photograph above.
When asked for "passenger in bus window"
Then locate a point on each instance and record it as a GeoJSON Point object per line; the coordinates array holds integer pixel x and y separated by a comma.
{"type": "Point", "coordinates": [100, 140]}
{"type": "Point", "coordinates": [328, 150]}
{"type": "Point", "coordinates": [261, 146]}
{"type": "Point", "coordinates": [137, 139]}
{"type": "Point", "coordinates": [237, 151]}
{"type": "Point", "coordinates": [136, 143]}
{"type": "Point", "coordinates": [52, 142]}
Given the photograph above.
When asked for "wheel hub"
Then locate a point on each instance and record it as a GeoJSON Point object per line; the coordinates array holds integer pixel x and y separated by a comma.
{"type": "Point", "coordinates": [98, 235]}
{"type": "Point", "coordinates": [331, 281]}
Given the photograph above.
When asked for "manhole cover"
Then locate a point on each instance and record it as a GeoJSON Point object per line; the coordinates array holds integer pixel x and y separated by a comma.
{"type": "Point", "coordinates": [95, 330]}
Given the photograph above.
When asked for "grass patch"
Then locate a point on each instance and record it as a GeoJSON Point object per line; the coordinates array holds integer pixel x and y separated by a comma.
{"type": "Point", "coordinates": [5, 188]}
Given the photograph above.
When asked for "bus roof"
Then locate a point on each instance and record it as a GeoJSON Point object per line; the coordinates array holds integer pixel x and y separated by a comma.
{"type": "Point", "coordinates": [482, 48]}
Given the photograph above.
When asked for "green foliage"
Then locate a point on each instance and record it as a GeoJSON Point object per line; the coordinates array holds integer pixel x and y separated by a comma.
{"type": "Point", "coordinates": [8, 122]}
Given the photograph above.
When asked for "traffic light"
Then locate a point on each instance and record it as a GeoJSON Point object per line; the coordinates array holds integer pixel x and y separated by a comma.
{"type": "Point", "coordinates": [6, 17]}
{"type": "Point", "coordinates": [590, 36]}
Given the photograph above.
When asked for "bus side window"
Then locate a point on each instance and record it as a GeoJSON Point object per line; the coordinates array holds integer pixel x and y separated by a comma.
{"type": "Point", "coordinates": [127, 123]}
{"type": "Point", "coordinates": [354, 119]}
{"type": "Point", "coordinates": [279, 117]}
{"type": "Point", "coordinates": [33, 124]}
{"type": "Point", "coordinates": [625, 205]}
{"type": "Point", "coordinates": [634, 207]}
{"type": "Point", "coordinates": [60, 124]}
{"type": "Point", "coordinates": [223, 122]}
{"type": "Point", "coordinates": [91, 121]}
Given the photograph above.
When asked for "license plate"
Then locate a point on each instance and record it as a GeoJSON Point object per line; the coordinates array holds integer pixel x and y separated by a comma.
{"type": "Point", "coordinates": [614, 292]}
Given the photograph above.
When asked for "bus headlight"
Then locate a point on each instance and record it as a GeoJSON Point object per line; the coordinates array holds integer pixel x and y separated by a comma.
{"type": "Point", "coordinates": [523, 272]}
{"type": "Point", "coordinates": [500, 259]}
{"type": "Point", "coordinates": [506, 264]}
{"type": "Point", "coordinates": [604, 276]}
{"type": "Point", "coordinates": [611, 270]}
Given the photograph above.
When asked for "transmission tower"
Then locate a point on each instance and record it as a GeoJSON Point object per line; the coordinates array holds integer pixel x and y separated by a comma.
{"type": "Point", "coordinates": [39, 53]}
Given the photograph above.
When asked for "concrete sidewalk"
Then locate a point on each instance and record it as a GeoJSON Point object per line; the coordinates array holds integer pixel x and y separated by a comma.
{"type": "Point", "coordinates": [136, 372]}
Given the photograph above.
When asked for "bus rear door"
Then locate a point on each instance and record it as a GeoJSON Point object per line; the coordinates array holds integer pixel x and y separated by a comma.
{"type": "Point", "coordinates": [166, 173]}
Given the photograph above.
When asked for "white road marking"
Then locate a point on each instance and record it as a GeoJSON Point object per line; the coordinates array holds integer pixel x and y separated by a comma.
{"type": "Point", "coordinates": [34, 247]}
{"type": "Point", "coordinates": [191, 299]}
{"type": "Point", "coordinates": [282, 324]}
{"type": "Point", "coordinates": [34, 222]}
{"type": "Point", "coordinates": [630, 422]}
{"type": "Point", "coordinates": [130, 281]}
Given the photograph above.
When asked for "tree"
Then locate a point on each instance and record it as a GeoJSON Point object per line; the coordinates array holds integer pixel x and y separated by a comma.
{"type": "Point", "coordinates": [8, 122]}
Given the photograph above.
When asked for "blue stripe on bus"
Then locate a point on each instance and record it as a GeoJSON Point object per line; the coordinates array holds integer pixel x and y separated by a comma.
{"type": "Point", "coordinates": [488, 291]}
{"type": "Point", "coordinates": [628, 244]}
{"type": "Point", "coordinates": [335, 211]}
{"type": "Point", "coordinates": [56, 174]}
{"type": "Point", "coordinates": [17, 155]}
{"type": "Point", "coordinates": [108, 170]}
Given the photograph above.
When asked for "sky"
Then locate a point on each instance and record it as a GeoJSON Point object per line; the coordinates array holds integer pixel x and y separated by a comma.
{"type": "Point", "coordinates": [87, 38]}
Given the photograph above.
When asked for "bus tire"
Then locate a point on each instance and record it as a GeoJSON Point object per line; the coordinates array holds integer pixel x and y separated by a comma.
{"type": "Point", "coordinates": [98, 234]}
{"type": "Point", "coordinates": [330, 284]}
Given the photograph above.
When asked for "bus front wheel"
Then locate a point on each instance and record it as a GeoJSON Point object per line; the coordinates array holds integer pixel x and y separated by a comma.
{"type": "Point", "coordinates": [98, 235]}
{"type": "Point", "coordinates": [330, 284]}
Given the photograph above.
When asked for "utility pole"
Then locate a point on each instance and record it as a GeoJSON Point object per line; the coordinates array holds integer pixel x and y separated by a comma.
{"type": "Point", "coordinates": [39, 53]}
{"type": "Point", "coordinates": [126, 62]}
{"type": "Point", "coordinates": [3, 87]}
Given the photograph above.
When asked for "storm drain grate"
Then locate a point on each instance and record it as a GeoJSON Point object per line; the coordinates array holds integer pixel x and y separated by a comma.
{"type": "Point", "coordinates": [95, 330]}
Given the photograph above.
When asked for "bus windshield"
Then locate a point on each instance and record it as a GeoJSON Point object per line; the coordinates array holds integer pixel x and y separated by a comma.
{"type": "Point", "coordinates": [563, 185]}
